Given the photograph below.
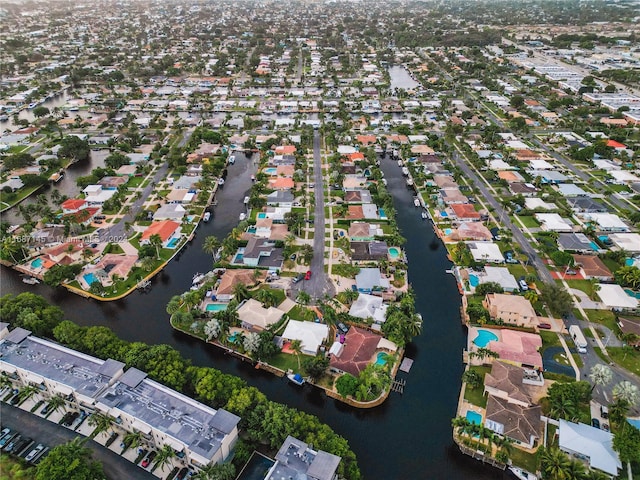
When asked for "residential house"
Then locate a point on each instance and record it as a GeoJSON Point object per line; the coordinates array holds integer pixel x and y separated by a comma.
{"type": "Point", "coordinates": [369, 251]}
{"type": "Point", "coordinates": [371, 279]}
{"type": "Point", "coordinates": [485, 252]}
{"type": "Point", "coordinates": [232, 277]}
{"type": "Point", "coordinates": [593, 445]}
{"type": "Point", "coordinates": [298, 460]}
{"type": "Point", "coordinates": [513, 420]}
{"type": "Point", "coordinates": [310, 334]}
{"type": "Point", "coordinates": [577, 242]}
{"type": "Point", "coordinates": [466, 212]}
{"type": "Point", "coordinates": [280, 198]}
{"type": "Point", "coordinates": [471, 231]}
{"type": "Point", "coordinates": [592, 267]}
{"type": "Point", "coordinates": [512, 309]}
{"type": "Point", "coordinates": [262, 252]}
{"type": "Point", "coordinates": [96, 195]}
{"type": "Point", "coordinates": [501, 276]}
{"type": "Point", "coordinates": [369, 306]}
{"type": "Point", "coordinates": [72, 205]}
{"type": "Point", "coordinates": [170, 211]}
{"type": "Point", "coordinates": [253, 316]}
{"type": "Point", "coordinates": [359, 348]}
{"type": "Point", "coordinates": [167, 230]}
{"type": "Point", "coordinates": [553, 222]}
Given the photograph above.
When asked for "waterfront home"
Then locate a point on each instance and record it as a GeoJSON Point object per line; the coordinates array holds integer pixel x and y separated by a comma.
{"type": "Point", "coordinates": [360, 346]}
{"type": "Point", "coordinates": [112, 183]}
{"type": "Point", "coordinates": [310, 334]}
{"type": "Point", "coordinates": [369, 306]}
{"type": "Point", "coordinates": [181, 196]}
{"type": "Point", "coordinates": [515, 421]}
{"type": "Point", "coordinates": [280, 198]}
{"type": "Point", "coordinates": [371, 279]}
{"type": "Point", "coordinates": [170, 211]}
{"type": "Point", "coordinates": [72, 205]}
{"type": "Point", "coordinates": [362, 231]}
{"type": "Point", "coordinates": [626, 241]}
{"type": "Point", "coordinates": [167, 230]}
{"type": "Point", "coordinates": [465, 212]}
{"type": "Point", "coordinates": [83, 216]}
{"type": "Point", "coordinates": [96, 195]}
{"type": "Point", "coordinates": [485, 252]}
{"type": "Point", "coordinates": [109, 266]}
{"type": "Point", "coordinates": [261, 252]}
{"type": "Point", "coordinates": [254, 317]}
{"type": "Point", "coordinates": [501, 276]}
{"type": "Point", "coordinates": [232, 277]}
{"type": "Point", "coordinates": [471, 231]}
{"type": "Point", "coordinates": [127, 170]}
{"type": "Point", "coordinates": [281, 183]}
{"type": "Point", "coordinates": [296, 459]}
{"type": "Point", "coordinates": [512, 309]}
{"type": "Point", "coordinates": [285, 150]}
{"type": "Point", "coordinates": [515, 347]}
{"type": "Point", "coordinates": [369, 251]}
{"type": "Point", "coordinates": [357, 196]}
{"type": "Point", "coordinates": [513, 384]}
{"type": "Point", "coordinates": [452, 196]}
{"type": "Point", "coordinates": [591, 266]}
{"type": "Point", "coordinates": [606, 222]}
{"type": "Point", "coordinates": [589, 444]}
{"type": "Point", "coordinates": [186, 182]}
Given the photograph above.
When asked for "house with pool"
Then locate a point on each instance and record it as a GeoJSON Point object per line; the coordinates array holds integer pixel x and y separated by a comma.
{"type": "Point", "coordinates": [168, 231]}
{"type": "Point", "coordinates": [512, 346]}
{"type": "Point", "coordinates": [511, 309]}
{"type": "Point", "coordinates": [255, 318]}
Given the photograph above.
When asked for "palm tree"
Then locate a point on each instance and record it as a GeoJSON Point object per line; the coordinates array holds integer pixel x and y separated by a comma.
{"type": "Point", "coordinates": [211, 245]}
{"type": "Point", "coordinates": [164, 456]}
{"type": "Point", "coordinates": [303, 298]}
{"type": "Point", "coordinates": [618, 410]}
{"type": "Point", "coordinates": [27, 392]}
{"type": "Point", "coordinates": [296, 347]}
{"type": "Point", "coordinates": [132, 440]}
{"type": "Point", "coordinates": [626, 391]}
{"type": "Point", "coordinates": [461, 425]}
{"type": "Point", "coordinates": [575, 470]}
{"type": "Point", "coordinates": [56, 403]}
{"type": "Point", "coordinates": [563, 408]}
{"type": "Point", "coordinates": [156, 241]}
{"type": "Point", "coordinates": [101, 422]}
{"type": "Point", "coordinates": [415, 325]}
{"type": "Point", "coordinates": [554, 463]}
{"type": "Point", "coordinates": [600, 375]}
{"type": "Point", "coordinates": [147, 263]}
{"type": "Point", "coordinates": [217, 471]}
{"type": "Point", "coordinates": [174, 305]}
{"type": "Point", "coordinates": [9, 248]}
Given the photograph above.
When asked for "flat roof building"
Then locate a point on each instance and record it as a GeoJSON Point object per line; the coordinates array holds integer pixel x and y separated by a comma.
{"type": "Point", "coordinates": [296, 459]}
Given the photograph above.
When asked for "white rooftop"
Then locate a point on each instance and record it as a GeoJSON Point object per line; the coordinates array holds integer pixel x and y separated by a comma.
{"type": "Point", "coordinates": [626, 241]}
{"type": "Point", "coordinates": [485, 252]}
{"type": "Point", "coordinates": [614, 296]}
{"type": "Point", "coordinates": [310, 334]}
{"type": "Point", "coordinates": [554, 222]}
{"type": "Point", "coordinates": [593, 443]}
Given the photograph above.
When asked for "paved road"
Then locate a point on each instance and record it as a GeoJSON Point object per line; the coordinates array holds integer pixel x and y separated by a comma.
{"type": "Point", "coordinates": [51, 434]}
{"type": "Point", "coordinates": [501, 213]}
{"type": "Point", "coordinates": [319, 285]}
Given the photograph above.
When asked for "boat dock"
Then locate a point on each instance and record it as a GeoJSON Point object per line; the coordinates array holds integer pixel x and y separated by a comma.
{"type": "Point", "coordinates": [398, 386]}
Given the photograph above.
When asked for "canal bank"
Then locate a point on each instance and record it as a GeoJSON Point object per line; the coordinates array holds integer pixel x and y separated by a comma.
{"type": "Point", "coordinates": [410, 435]}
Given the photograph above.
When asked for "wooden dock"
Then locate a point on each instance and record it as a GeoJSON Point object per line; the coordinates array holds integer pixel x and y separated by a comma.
{"type": "Point", "coordinates": [398, 386]}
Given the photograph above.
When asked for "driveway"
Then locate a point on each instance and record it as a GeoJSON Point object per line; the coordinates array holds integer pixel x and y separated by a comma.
{"type": "Point", "coordinates": [51, 434]}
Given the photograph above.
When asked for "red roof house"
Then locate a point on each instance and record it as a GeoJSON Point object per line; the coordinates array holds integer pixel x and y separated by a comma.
{"type": "Point", "coordinates": [166, 229]}
{"type": "Point", "coordinates": [72, 205]}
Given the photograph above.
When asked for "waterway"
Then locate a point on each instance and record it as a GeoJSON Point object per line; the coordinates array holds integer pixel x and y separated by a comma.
{"type": "Point", "coordinates": [400, 77]}
{"type": "Point", "coordinates": [409, 436]}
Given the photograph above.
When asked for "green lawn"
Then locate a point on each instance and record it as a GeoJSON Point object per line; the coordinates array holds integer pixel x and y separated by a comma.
{"type": "Point", "coordinates": [603, 317]}
{"type": "Point", "coordinates": [286, 361]}
{"type": "Point", "coordinates": [476, 395]}
{"type": "Point", "coordinates": [549, 339]}
{"type": "Point", "coordinates": [528, 221]}
{"type": "Point", "coordinates": [583, 285]}
{"type": "Point", "coordinates": [626, 357]}
{"type": "Point", "coordinates": [517, 270]}
{"type": "Point", "coordinates": [522, 459]}
{"type": "Point", "coordinates": [302, 313]}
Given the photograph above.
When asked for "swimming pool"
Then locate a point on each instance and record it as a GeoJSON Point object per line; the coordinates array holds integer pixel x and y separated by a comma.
{"type": "Point", "coordinates": [381, 358]}
{"type": "Point", "coordinates": [474, 417]}
{"type": "Point", "coordinates": [252, 229]}
{"type": "Point", "coordinates": [473, 280]}
{"type": "Point", "coordinates": [447, 231]}
{"type": "Point", "coordinates": [216, 307]}
{"type": "Point", "coordinates": [594, 246]}
{"type": "Point", "coordinates": [37, 263]}
{"type": "Point", "coordinates": [381, 213]}
{"type": "Point", "coordinates": [90, 278]}
{"type": "Point", "coordinates": [394, 252]}
{"type": "Point", "coordinates": [484, 337]}
{"type": "Point", "coordinates": [262, 215]}
{"type": "Point", "coordinates": [635, 422]}
{"type": "Point", "coordinates": [270, 171]}
{"type": "Point", "coordinates": [238, 258]}
{"type": "Point", "coordinates": [232, 338]}
{"type": "Point", "coordinates": [631, 293]}
{"type": "Point", "coordinates": [444, 214]}
{"type": "Point", "coordinates": [173, 242]}
{"type": "Point", "coordinates": [629, 262]}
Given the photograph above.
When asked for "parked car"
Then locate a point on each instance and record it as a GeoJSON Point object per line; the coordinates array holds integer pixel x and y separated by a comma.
{"type": "Point", "coordinates": [182, 474]}
{"type": "Point", "coordinates": [604, 411]}
{"type": "Point", "coordinates": [33, 453]}
{"type": "Point", "coordinates": [343, 328]}
{"type": "Point", "coordinates": [307, 275]}
{"type": "Point", "coordinates": [12, 443]}
{"type": "Point", "coordinates": [605, 427]}
{"type": "Point", "coordinates": [4, 432]}
{"type": "Point", "coordinates": [595, 422]}
{"type": "Point", "coordinates": [298, 277]}
{"type": "Point", "coordinates": [22, 446]}
{"type": "Point", "coordinates": [544, 326]}
{"type": "Point", "coordinates": [6, 438]}
{"type": "Point", "coordinates": [45, 409]}
{"type": "Point", "coordinates": [523, 285]}
{"type": "Point", "coordinates": [145, 463]}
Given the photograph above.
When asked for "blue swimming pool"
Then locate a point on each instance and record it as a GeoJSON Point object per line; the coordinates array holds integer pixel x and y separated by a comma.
{"type": "Point", "coordinates": [473, 280]}
{"type": "Point", "coordinates": [474, 417]}
{"type": "Point", "coordinates": [381, 358]}
{"type": "Point", "coordinates": [635, 422]}
{"type": "Point", "coordinates": [594, 246]}
{"type": "Point", "coordinates": [394, 252]}
{"type": "Point", "coordinates": [484, 337]}
{"type": "Point", "coordinates": [216, 307]}
{"type": "Point", "coordinates": [381, 213]}
{"type": "Point", "coordinates": [173, 242]}
{"type": "Point", "coordinates": [631, 293]}
{"type": "Point", "coordinates": [37, 263]}
{"type": "Point", "coordinates": [629, 262]}
{"type": "Point", "coordinates": [238, 258]}
{"type": "Point", "coordinates": [270, 171]}
{"type": "Point", "coordinates": [262, 215]}
{"type": "Point", "coordinates": [444, 214]}
{"type": "Point", "coordinates": [447, 231]}
{"type": "Point", "coordinates": [90, 278]}
{"type": "Point", "coordinates": [232, 338]}
{"type": "Point", "coordinates": [252, 229]}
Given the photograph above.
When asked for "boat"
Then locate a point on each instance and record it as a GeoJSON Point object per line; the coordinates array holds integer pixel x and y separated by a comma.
{"type": "Point", "coordinates": [409, 182]}
{"type": "Point", "coordinates": [206, 217]}
{"type": "Point", "coordinates": [197, 278]}
{"type": "Point", "coordinates": [74, 109]}
{"type": "Point", "coordinates": [232, 159]}
{"type": "Point", "coordinates": [295, 378]}
{"type": "Point", "coordinates": [416, 202]}
{"type": "Point", "coordinates": [424, 215]}
{"type": "Point", "coordinates": [30, 280]}
{"type": "Point", "coordinates": [405, 171]}
{"type": "Point", "coordinates": [242, 216]}
{"type": "Point", "coordinates": [56, 177]}
{"type": "Point", "coordinates": [522, 474]}
{"type": "Point", "coordinates": [221, 181]}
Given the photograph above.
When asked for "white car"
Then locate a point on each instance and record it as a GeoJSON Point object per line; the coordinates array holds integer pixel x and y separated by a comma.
{"type": "Point", "coordinates": [34, 453]}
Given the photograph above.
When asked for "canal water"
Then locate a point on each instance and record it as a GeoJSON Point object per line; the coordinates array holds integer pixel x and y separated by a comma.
{"type": "Point", "coordinates": [409, 436]}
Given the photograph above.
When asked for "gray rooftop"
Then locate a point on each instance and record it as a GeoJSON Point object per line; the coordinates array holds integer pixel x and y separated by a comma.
{"type": "Point", "coordinates": [279, 196]}
{"type": "Point", "coordinates": [575, 241]}
{"type": "Point", "coordinates": [297, 460]}
{"type": "Point", "coordinates": [17, 335]}
{"type": "Point", "coordinates": [49, 360]}
{"type": "Point", "coordinates": [201, 428]}
{"type": "Point", "coordinates": [110, 368]}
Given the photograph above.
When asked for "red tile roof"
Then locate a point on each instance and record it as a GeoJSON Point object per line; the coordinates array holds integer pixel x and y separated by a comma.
{"type": "Point", "coordinates": [614, 144]}
{"type": "Point", "coordinates": [73, 204]}
{"type": "Point", "coordinates": [359, 347]}
{"type": "Point", "coordinates": [465, 210]}
{"type": "Point", "coordinates": [164, 228]}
